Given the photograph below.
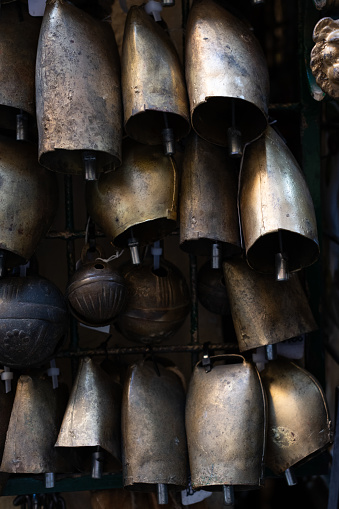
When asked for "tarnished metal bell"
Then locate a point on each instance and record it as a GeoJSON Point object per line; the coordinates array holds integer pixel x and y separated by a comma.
{"type": "Point", "coordinates": [209, 222]}
{"type": "Point", "coordinates": [298, 419]}
{"type": "Point", "coordinates": [212, 291]}
{"type": "Point", "coordinates": [91, 424]}
{"type": "Point", "coordinates": [226, 425]}
{"type": "Point", "coordinates": [153, 429]}
{"type": "Point", "coordinates": [33, 320]}
{"type": "Point", "coordinates": [77, 92]}
{"type": "Point", "coordinates": [264, 311]}
{"type": "Point", "coordinates": [6, 405]}
{"type": "Point", "coordinates": [227, 77]}
{"type": "Point", "coordinates": [28, 201]}
{"type": "Point", "coordinates": [158, 302]}
{"type": "Point", "coordinates": [153, 85]}
{"type": "Point", "coordinates": [277, 214]}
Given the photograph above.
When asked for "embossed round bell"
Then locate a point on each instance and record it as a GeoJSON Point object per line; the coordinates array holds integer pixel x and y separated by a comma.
{"type": "Point", "coordinates": [226, 75]}
{"type": "Point", "coordinates": [298, 419]}
{"type": "Point", "coordinates": [208, 204]}
{"type": "Point", "coordinates": [226, 425]}
{"type": "Point", "coordinates": [153, 84]}
{"type": "Point", "coordinates": [77, 92]}
{"type": "Point", "coordinates": [28, 201]}
{"type": "Point", "coordinates": [276, 208]}
{"type": "Point", "coordinates": [158, 302]}
{"type": "Point", "coordinates": [91, 424]}
{"type": "Point", "coordinates": [19, 33]}
{"type": "Point", "coordinates": [33, 320]}
{"type": "Point", "coordinates": [153, 429]}
{"type": "Point", "coordinates": [212, 291]}
{"type": "Point", "coordinates": [324, 61]}
{"type": "Point", "coordinates": [264, 311]}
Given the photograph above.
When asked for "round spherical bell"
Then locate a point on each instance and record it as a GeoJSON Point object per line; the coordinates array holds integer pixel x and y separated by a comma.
{"type": "Point", "coordinates": [158, 303]}
{"type": "Point", "coordinates": [33, 320]}
{"type": "Point", "coordinates": [212, 291]}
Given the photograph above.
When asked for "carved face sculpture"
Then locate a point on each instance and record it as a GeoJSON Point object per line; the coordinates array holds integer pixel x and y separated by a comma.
{"type": "Point", "coordinates": [325, 56]}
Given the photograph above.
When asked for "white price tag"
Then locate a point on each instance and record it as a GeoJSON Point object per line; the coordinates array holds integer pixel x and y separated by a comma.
{"type": "Point", "coordinates": [36, 7]}
{"type": "Point", "coordinates": [197, 496]}
{"type": "Point", "coordinates": [105, 329]}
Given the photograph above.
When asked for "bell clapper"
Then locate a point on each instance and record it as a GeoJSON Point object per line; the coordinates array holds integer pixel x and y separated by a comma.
{"type": "Point", "coordinates": [154, 8]}
{"type": "Point", "coordinates": [168, 3]}
{"type": "Point", "coordinates": [271, 352]}
{"type": "Point", "coordinates": [156, 251]}
{"type": "Point", "coordinates": [21, 126]}
{"type": "Point", "coordinates": [2, 262]}
{"type": "Point", "coordinates": [168, 138]}
{"type": "Point", "coordinates": [89, 160]}
{"type": "Point", "coordinates": [162, 494]}
{"type": "Point", "coordinates": [216, 256]}
{"type": "Point", "coordinates": [49, 480]}
{"type": "Point", "coordinates": [98, 463]}
{"type": "Point", "coordinates": [54, 372]}
{"type": "Point", "coordinates": [290, 477]}
{"type": "Point", "coordinates": [133, 245]}
{"type": "Point", "coordinates": [281, 264]}
{"type": "Point", "coordinates": [234, 137]}
{"type": "Point", "coordinates": [228, 495]}
{"type": "Point", "coordinates": [7, 376]}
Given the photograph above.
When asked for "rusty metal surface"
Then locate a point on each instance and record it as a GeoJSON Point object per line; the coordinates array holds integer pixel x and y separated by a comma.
{"type": "Point", "coordinates": [265, 311]}
{"type": "Point", "coordinates": [225, 424]}
{"type": "Point", "coordinates": [151, 405]}
{"type": "Point", "coordinates": [152, 81]}
{"type": "Point", "coordinates": [275, 200]}
{"type": "Point", "coordinates": [324, 61]}
{"type": "Point", "coordinates": [224, 64]}
{"type": "Point", "coordinates": [6, 405]}
{"type": "Point", "coordinates": [298, 419]}
{"type": "Point", "coordinates": [77, 90]}
{"type": "Point", "coordinates": [142, 194]}
{"type": "Point", "coordinates": [208, 200]}
{"type": "Point", "coordinates": [212, 291]}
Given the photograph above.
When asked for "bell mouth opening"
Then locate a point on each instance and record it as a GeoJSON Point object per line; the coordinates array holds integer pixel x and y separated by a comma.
{"type": "Point", "coordinates": [212, 118]}
{"type": "Point", "coordinates": [150, 487]}
{"type": "Point", "coordinates": [236, 487]}
{"type": "Point", "coordinates": [71, 161]}
{"type": "Point", "coordinates": [147, 126]}
{"type": "Point", "coordinates": [13, 259]}
{"type": "Point", "coordinates": [203, 247]}
{"type": "Point", "coordinates": [147, 232]}
{"type": "Point", "coordinates": [80, 458]}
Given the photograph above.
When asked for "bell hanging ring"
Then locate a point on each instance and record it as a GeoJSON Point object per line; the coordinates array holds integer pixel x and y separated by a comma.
{"type": "Point", "coordinates": [78, 92]}
{"type": "Point", "coordinates": [212, 292]}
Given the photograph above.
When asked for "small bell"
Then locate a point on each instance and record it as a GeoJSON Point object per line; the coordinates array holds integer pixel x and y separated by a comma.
{"type": "Point", "coordinates": [153, 430]}
{"type": "Point", "coordinates": [212, 291]}
{"type": "Point", "coordinates": [325, 55]}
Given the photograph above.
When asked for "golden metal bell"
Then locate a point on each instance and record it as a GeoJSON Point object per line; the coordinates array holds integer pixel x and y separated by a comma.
{"type": "Point", "coordinates": [226, 75]}
{"type": "Point", "coordinates": [298, 419]}
{"type": "Point", "coordinates": [77, 92]}
{"type": "Point", "coordinates": [153, 84]}
{"type": "Point", "coordinates": [212, 291]}
{"type": "Point", "coordinates": [264, 311]}
{"type": "Point", "coordinates": [324, 61]}
{"type": "Point", "coordinates": [208, 205]}
{"type": "Point", "coordinates": [226, 425]}
{"type": "Point", "coordinates": [153, 429]}
{"type": "Point", "coordinates": [91, 423]}
{"type": "Point", "coordinates": [277, 214]}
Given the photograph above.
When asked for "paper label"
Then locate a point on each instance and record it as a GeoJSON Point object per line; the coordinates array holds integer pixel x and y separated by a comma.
{"type": "Point", "coordinates": [197, 496]}
{"type": "Point", "coordinates": [36, 7]}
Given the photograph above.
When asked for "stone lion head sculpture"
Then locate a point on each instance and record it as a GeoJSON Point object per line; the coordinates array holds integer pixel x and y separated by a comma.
{"type": "Point", "coordinates": [325, 56]}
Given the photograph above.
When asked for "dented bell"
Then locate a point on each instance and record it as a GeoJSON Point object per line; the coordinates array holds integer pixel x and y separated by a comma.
{"type": "Point", "coordinates": [298, 419]}
{"type": "Point", "coordinates": [212, 292]}
{"type": "Point", "coordinates": [91, 424]}
{"type": "Point", "coordinates": [208, 205]}
{"type": "Point", "coordinates": [264, 311]}
{"type": "Point", "coordinates": [277, 214]}
{"type": "Point", "coordinates": [153, 429]}
{"type": "Point", "coordinates": [227, 77]}
{"type": "Point", "coordinates": [226, 425]}
{"type": "Point", "coordinates": [77, 92]}
{"type": "Point", "coordinates": [153, 85]}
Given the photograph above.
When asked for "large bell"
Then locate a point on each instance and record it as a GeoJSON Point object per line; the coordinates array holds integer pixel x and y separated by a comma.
{"type": "Point", "coordinates": [212, 292]}
{"type": "Point", "coordinates": [264, 311]}
{"type": "Point", "coordinates": [153, 84]}
{"type": "Point", "coordinates": [91, 424]}
{"type": "Point", "coordinates": [226, 425]}
{"type": "Point", "coordinates": [227, 77]}
{"type": "Point", "coordinates": [77, 92]}
{"type": "Point", "coordinates": [153, 429]}
{"type": "Point", "coordinates": [277, 214]}
{"type": "Point", "coordinates": [298, 419]}
{"type": "Point", "coordinates": [33, 320]}
{"type": "Point", "coordinates": [208, 203]}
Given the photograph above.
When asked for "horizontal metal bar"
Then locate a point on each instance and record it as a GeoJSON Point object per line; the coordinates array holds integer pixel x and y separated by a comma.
{"type": "Point", "coordinates": [70, 235]}
{"type": "Point", "coordinates": [284, 107]}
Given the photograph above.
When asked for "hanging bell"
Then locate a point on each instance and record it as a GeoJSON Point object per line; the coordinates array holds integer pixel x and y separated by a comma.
{"type": "Point", "coordinates": [77, 92]}
{"type": "Point", "coordinates": [227, 77]}
{"type": "Point", "coordinates": [212, 292]}
{"type": "Point", "coordinates": [277, 214]}
{"type": "Point", "coordinates": [324, 61]}
{"type": "Point", "coordinates": [153, 85]}
{"type": "Point", "coordinates": [33, 320]}
{"type": "Point", "coordinates": [208, 206]}
{"type": "Point", "coordinates": [153, 430]}
{"type": "Point", "coordinates": [264, 311]}
{"type": "Point", "coordinates": [91, 424]}
{"type": "Point", "coordinates": [298, 419]}
{"type": "Point", "coordinates": [226, 426]}
{"type": "Point", "coordinates": [158, 302]}
{"type": "Point", "coordinates": [19, 33]}
{"type": "Point", "coordinates": [6, 405]}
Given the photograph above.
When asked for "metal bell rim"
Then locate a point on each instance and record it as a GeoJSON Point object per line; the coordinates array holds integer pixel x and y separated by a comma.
{"type": "Point", "coordinates": [136, 129]}
{"type": "Point", "coordinates": [147, 231]}
{"type": "Point", "coordinates": [58, 160]}
{"type": "Point", "coordinates": [224, 356]}
{"type": "Point", "coordinates": [203, 247]}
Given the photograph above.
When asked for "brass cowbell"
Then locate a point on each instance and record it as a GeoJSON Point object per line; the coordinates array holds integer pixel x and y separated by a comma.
{"type": "Point", "coordinates": [77, 92]}
{"type": "Point", "coordinates": [277, 214]}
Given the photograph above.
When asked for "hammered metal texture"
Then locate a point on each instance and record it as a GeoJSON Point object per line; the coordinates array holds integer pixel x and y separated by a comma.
{"type": "Point", "coordinates": [77, 90]}
{"type": "Point", "coordinates": [152, 81]}
{"type": "Point", "coordinates": [33, 320]}
{"type": "Point", "coordinates": [274, 198]}
{"type": "Point", "coordinates": [153, 428]}
{"type": "Point", "coordinates": [208, 200]}
{"type": "Point", "coordinates": [265, 311]}
{"type": "Point", "coordinates": [325, 56]}
{"type": "Point", "coordinates": [212, 291]}
{"type": "Point", "coordinates": [224, 65]}
{"type": "Point", "coordinates": [142, 194]}
{"type": "Point", "coordinates": [298, 420]}
{"type": "Point", "coordinates": [225, 425]}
